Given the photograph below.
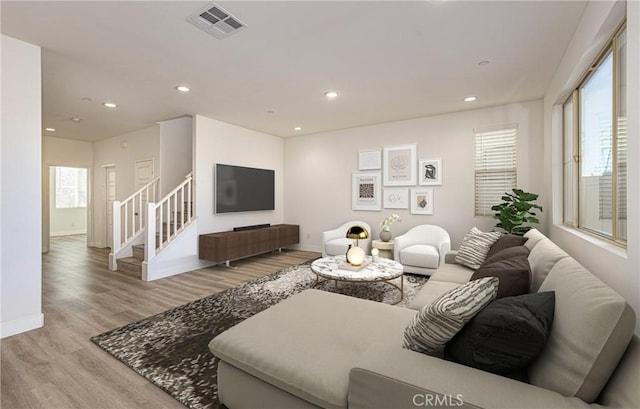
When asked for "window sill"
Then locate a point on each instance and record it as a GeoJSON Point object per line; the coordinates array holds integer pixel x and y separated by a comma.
{"type": "Point", "coordinates": [595, 240]}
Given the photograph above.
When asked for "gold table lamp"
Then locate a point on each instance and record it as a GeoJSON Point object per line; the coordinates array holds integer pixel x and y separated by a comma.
{"type": "Point", "coordinates": [356, 256]}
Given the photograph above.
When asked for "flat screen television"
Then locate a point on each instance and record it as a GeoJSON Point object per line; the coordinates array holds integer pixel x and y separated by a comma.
{"type": "Point", "coordinates": [241, 189]}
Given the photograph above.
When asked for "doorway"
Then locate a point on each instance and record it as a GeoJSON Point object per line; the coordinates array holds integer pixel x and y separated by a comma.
{"type": "Point", "coordinates": [68, 199]}
{"type": "Point", "coordinates": [110, 195]}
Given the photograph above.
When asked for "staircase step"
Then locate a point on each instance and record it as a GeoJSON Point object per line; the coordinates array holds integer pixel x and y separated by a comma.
{"type": "Point", "coordinates": [164, 224]}
{"type": "Point", "coordinates": [164, 236]}
{"type": "Point", "coordinates": [171, 229]}
{"type": "Point", "coordinates": [138, 251]}
{"type": "Point", "coordinates": [178, 216]}
{"type": "Point", "coordinates": [131, 266]}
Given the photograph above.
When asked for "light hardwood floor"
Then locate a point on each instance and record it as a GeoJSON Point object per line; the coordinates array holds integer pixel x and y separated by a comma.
{"type": "Point", "coordinates": [57, 367]}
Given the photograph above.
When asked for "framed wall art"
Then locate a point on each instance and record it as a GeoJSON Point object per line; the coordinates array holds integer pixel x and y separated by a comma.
{"type": "Point", "coordinates": [430, 172]}
{"type": "Point", "coordinates": [399, 165]}
{"type": "Point", "coordinates": [393, 198]}
{"type": "Point", "coordinates": [422, 200]}
{"type": "Point", "coordinates": [369, 160]}
{"type": "Point", "coordinates": [366, 191]}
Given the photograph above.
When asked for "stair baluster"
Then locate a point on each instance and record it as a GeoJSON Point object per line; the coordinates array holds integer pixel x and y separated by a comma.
{"type": "Point", "coordinates": [165, 217]}
{"type": "Point", "coordinates": [158, 224]}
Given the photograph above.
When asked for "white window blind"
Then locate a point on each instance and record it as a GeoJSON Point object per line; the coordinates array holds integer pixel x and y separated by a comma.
{"type": "Point", "coordinates": [495, 166]}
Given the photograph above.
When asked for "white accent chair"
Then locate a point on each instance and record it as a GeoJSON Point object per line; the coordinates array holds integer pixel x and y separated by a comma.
{"type": "Point", "coordinates": [422, 249]}
{"type": "Point", "coordinates": [335, 242]}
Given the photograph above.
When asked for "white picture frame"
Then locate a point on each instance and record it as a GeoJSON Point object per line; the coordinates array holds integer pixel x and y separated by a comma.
{"type": "Point", "coordinates": [366, 191]}
{"type": "Point", "coordinates": [422, 200]}
{"type": "Point", "coordinates": [430, 172]}
{"type": "Point", "coordinates": [393, 198]}
{"type": "Point", "coordinates": [399, 165]}
{"type": "Point", "coordinates": [370, 160]}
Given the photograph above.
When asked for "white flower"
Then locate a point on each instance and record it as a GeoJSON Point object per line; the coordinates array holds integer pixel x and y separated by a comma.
{"type": "Point", "coordinates": [387, 222]}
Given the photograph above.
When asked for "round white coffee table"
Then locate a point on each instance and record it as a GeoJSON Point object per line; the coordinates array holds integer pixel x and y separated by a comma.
{"type": "Point", "coordinates": [383, 270]}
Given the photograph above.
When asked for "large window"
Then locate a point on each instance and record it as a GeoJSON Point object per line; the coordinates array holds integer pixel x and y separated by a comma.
{"type": "Point", "coordinates": [595, 147]}
{"type": "Point", "coordinates": [71, 187]}
{"type": "Point", "coordinates": [495, 166]}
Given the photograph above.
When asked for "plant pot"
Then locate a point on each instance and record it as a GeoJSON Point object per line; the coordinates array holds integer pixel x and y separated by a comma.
{"type": "Point", "coordinates": [385, 235]}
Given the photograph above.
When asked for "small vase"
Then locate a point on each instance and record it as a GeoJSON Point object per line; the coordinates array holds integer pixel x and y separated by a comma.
{"type": "Point", "coordinates": [385, 235]}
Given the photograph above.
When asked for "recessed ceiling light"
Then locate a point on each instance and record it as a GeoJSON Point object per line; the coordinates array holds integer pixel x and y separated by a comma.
{"type": "Point", "coordinates": [183, 88]}
{"type": "Point", "coordinates": [470, 99]}
{"type": "Point", "coordinates": [297, 128]}
{"type": "Point", "coordinates": [110, 105]}
{"type": "Point", "coordinates": [331, 94]}
{"type": "Point", "coordinates": [49, 129]}
{"type": "Point", "coordinates": [76, 119]}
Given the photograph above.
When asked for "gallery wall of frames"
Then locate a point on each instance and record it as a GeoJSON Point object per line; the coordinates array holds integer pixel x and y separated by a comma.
{"type": "Point", "coordinates": [393, 177]}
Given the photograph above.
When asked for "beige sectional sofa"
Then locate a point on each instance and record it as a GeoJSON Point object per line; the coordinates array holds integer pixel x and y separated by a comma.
{"type": "Point", "coordinates": [319, 349]}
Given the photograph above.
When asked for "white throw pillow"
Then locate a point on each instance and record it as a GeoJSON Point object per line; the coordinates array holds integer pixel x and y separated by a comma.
{"type": "Point", "coordinates": [437, 323]}
{"type": "Point", "coordinates": [475, 246]}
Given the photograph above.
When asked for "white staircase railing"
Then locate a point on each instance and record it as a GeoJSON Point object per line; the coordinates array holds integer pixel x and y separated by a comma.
{"type": "Point", "coordinates": [128, 215]}
{"type": "Point", "coordinates": [166, 219]}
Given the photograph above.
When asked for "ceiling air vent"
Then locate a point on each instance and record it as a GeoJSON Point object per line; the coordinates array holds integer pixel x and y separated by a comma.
{"type": "Point", "coordinates": [216, 21]}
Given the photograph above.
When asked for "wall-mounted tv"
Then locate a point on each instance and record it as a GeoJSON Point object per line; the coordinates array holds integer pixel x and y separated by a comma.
{"type": "Point", "coordinates": [241, 189]}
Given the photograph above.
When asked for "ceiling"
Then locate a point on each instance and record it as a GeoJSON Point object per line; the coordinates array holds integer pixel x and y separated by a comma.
{"type": "Point", "coordinates": [389, 60]}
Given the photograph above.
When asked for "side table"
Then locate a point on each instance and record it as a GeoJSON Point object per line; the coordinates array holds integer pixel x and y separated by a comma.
{"type": "Point", "coordinates": [385, 248]}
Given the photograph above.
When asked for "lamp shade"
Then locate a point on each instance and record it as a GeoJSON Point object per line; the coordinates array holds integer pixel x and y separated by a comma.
{"type": "Point", "coordinates": [355, 256]}
{"type": "Point", "coordinates": [357, 233]}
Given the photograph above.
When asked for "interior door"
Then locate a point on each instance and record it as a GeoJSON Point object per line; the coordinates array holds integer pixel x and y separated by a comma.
{"type": "Point", "coordinates": [144, 174]}
{"type": "Point", "coordinates": [110, 172]}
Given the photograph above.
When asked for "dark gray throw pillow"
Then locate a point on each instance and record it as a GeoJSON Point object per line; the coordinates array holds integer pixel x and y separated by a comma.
{"type": "Point", "coordinates": [506, 241]}
{"type": "Point", "coordinates": [506, 336]}
{"type": "Point", "coordinates": [510, 252]}
{"type": "Point", "coordinates": [514, 274]}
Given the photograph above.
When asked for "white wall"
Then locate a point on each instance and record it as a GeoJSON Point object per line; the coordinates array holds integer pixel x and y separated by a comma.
{"type": "Point", "coordinates": [20, 170]}
{"type": "Point", "coordinates": [617, 267]}
{"type": "Point", "coordinates": [319, 167]}
{"type": "Point", "coordinates": [140, 145]}
{"type": "Point", "coordinates": [219, 142]}
{"type": "Point", "coordinates": [176, 152]}
{"type": "Point", "coordinates": [63, 152]}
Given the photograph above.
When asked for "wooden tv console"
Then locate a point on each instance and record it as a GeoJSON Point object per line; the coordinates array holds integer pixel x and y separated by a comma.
{"type": "Point", "coordinates": [234, 245]}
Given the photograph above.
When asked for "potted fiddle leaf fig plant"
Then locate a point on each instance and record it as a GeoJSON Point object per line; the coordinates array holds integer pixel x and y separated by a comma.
{"type": "Point", "coordinates": [516, 210]}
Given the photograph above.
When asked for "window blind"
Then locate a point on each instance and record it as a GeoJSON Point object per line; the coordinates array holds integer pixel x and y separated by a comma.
{"type": "Point", "coordinates": [495, 166]}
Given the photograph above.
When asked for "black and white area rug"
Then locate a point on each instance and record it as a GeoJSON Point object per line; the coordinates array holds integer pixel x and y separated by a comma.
{"type": "Point", "coordinates": [171, 349]}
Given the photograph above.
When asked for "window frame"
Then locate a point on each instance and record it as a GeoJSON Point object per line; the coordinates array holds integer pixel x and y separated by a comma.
{"type": "Point", "coordinates": [576, 144]}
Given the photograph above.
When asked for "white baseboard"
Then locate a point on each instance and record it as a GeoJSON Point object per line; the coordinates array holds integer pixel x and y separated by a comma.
{"type": "Point", "coordinates": [21, 325]}
{"type": "Point", "coordinates": [174, 267]}
{"type": "Point", "coordinates": [307, 247]}
{"type": "Point", "coordinates": [67, 233]}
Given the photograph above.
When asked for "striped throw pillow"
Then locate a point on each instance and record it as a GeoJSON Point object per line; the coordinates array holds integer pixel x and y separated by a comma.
{"type": "Point", "coordinates": [437, 323]}
{"type": "Point", "coordinates": [475, 247]}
